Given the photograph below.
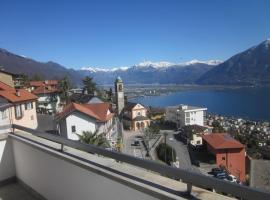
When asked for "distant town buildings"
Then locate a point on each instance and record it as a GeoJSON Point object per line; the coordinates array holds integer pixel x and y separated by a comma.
{"type": "Point", "coordinates": [77, 118]}
{"type": "Point", "coordinates": [48, 95]}
{"type": "Point", "coordinates": [18, 106]}
{"type": "Point", "coordinates": [183, 115]}
{"type": "Point", "coordinates": [229, 153]}
{"type": "Point", "coordinates": [135, 116]}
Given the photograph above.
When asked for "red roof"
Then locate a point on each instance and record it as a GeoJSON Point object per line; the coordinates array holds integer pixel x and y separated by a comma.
{"type": "Point", "coordinates": [98, 111]}
{"type": "Point", "coordinates": [41, 83]}
{"type": "Point", "coordinates": [222, 141]}
{"type": "Point", "coordinates": [44, 90]}
{"type": "Point", "coordinates": [11, 94]}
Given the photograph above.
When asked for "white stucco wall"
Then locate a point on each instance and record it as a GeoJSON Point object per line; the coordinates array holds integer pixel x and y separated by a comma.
{"type": "Point", "coordinates": [196, 117]}
{"type": "Point", "coordinates": [7, 168]}
{"type": "Point", "coordinates": [81, 122]}
{"type": "Point", "coordinates": [55, 178]}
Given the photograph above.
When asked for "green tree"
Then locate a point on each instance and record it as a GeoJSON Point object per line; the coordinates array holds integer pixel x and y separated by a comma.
{"type": "Point", "coordinates": [166, 153]}
{"type": "Point", "coordinates": [24, 80]}
{"type": "Point", "coordinates": [64, 86]}
{"type": "Point", "coordinates": [93, 138]}
{"type": "Point", "coordinates": [89, 85]}
{"type": "Point", "coordinates": [217, 128]}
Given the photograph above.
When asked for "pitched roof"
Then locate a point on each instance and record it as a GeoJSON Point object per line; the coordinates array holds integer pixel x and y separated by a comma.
{"type": "Point", "coordinates": [84, 98]}
{"type": "Point", "coordinates": [222, 141]}
{"type": "Point", "coordinates": [44, 90]}
{"type": "Point", "coordinates": [41, 83]}
{"type": "Point", "coordinates": [98, 111]}
{"type": "Point", "coordinates": [131, 105]}
{"type": "Point", "coordinates": [10, 94]}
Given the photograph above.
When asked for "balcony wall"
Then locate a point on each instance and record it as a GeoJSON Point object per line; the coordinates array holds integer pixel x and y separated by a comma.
{"type": "Point", "coordinates": [7, 167]}
{"type": "Point", "coordinates": [55, 176]}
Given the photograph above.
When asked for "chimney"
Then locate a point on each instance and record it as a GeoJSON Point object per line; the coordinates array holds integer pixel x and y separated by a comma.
{"type": "Point", "coordinates": [18, 93]}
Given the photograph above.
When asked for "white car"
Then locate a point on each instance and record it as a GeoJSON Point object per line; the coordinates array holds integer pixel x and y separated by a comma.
{"type": "Point", "coordinates": [231, 178]}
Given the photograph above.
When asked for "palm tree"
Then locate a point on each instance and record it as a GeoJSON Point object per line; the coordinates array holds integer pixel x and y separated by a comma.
{"type": "Point", "coordinates": [93, 138]}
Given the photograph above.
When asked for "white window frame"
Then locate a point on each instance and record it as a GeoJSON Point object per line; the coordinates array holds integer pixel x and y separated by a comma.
{"type": "Point", "coordinates": [20, 113]}
{"type": "Point", "coordinates": [29, 106]}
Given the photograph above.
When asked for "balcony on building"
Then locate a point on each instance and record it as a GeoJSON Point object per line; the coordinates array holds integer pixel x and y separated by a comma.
{"type": "Point", "coordinates": [36, 165]}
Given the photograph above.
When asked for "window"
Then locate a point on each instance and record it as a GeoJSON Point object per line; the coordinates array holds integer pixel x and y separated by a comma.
{"type": "Point", "coordinates": [73, 129]}
{"type": "Point", "coordinates": [29, 106]}
{"type": "Point", "coordinates": [4, 114]}
{"type": "Point", "coordinates": [223, 158]}
{"type": "Point", "coordinates": [120, 87]}
{"type": "Point", "coordinates": [18, 111]}
{"type": "Point", "coordinates": [138, 113]}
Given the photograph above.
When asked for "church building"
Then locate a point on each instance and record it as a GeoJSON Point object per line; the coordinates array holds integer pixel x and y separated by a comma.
{"type": "Point", "coordinates": [133, 115]}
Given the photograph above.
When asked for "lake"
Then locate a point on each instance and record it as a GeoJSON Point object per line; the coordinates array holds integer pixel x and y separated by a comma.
{"type": "Point", "coordinates": [250, 103]}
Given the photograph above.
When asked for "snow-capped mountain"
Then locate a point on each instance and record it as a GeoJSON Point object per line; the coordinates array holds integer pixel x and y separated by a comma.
{"type": "Point", "coordinates": [151, 65]}
{"type": "Point", "coordinates": [153, 72]}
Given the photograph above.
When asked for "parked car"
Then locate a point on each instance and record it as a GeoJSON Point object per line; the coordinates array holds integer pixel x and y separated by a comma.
{"type": "Point", "coordinates": [232, 178]}
{"type": "Point", "coordinates": [136, 143]}
{"type": "Point", "coordinates": [222, 176]}
{"type": "Point", "coordinates": [216, 171]}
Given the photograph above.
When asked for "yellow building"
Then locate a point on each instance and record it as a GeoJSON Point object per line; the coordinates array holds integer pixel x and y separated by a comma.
{"type": "Point", "coordinates": [6, 78]}
{"type": "Point", "coordinates": [135, 117]}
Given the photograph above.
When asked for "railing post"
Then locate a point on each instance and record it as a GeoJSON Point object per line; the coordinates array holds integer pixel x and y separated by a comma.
{"type": "Point", "coordinates": [189, 188]}
{"type": "Point", "coordinates": [62, 147]}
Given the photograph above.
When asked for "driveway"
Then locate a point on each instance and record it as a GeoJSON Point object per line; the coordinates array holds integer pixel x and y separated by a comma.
{"type": "Point", "coordinates": [128, 139]}
{"type": "Point", "coordinates": [182, 154]}
{"type": "Point", "coordinates": [45, 123]}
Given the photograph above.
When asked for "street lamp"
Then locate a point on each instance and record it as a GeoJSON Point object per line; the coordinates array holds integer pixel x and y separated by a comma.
{"type": "Point", "coordinates": [165, 136]}
{"type": "Point", "coordinates": [177, 118]}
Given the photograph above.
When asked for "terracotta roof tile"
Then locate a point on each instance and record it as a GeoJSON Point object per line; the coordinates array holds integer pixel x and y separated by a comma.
{"type": "Point", "coordinates": [222, 141]}
{"type": "Point", "coordinates": [44, 90]}
{"type": "Point", "coordinates": [10, 94]}
{"type": "Point", "coordinates": [98, 111]}
{"type": "Point", "coordinates": [41, 83]}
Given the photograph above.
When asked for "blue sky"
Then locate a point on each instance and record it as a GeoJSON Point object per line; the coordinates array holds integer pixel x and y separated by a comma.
{"type": "Point", "coordinates": [125, 32]}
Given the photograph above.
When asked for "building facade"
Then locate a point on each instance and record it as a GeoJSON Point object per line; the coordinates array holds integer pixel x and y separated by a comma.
{"type": "Point", "coordinates": [229, 153]}
{"type": "Point", "coordinates": [77, 118]}
{"type": "Point", "coordinates": [48, 96]}
{"type": "Point", "coordinates": [135, 117]}
{"type": "Point", "coordinates": [183, 115]}
{"type": "Point", "coordinates": [22, 106]}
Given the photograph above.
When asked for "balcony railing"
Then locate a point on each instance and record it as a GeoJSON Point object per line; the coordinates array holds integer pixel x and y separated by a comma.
{"type": "Point", "coordinates": [188, 177]}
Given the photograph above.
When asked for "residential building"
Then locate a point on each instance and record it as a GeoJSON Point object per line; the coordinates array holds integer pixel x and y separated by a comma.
{"type": "Point", "coordinates": [48, 95]}
{"type": "Point", "coordinates": [135, 116]}
{"type": "Point", "coordinates": [23, 106]}
{"type": "Point", "coordinates": [77, 118]}
{"type": "Point", "coordinates": [229, 153]}
{"type": "Point", "coordinates": [183, 115]}
{"type": "Point", "coordinates": [11, 79]}
{"type": "Point", "coordinates": [51, 84]}
{"type": "Point", "coordinates": [48, 99]}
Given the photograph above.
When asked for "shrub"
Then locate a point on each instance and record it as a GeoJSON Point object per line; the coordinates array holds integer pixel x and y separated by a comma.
{"type": "Point", "coordinates": [163, 149]}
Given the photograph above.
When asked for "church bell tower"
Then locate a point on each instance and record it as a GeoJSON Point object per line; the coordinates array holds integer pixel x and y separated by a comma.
{"type": "Point", "coordinates": [119, 94]}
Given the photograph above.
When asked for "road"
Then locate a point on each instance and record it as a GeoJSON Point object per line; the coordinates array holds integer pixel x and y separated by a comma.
{"type": "Point", "coordinates": [128, 139]}
{"type": "Point", "coordinates": [182, 154]}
